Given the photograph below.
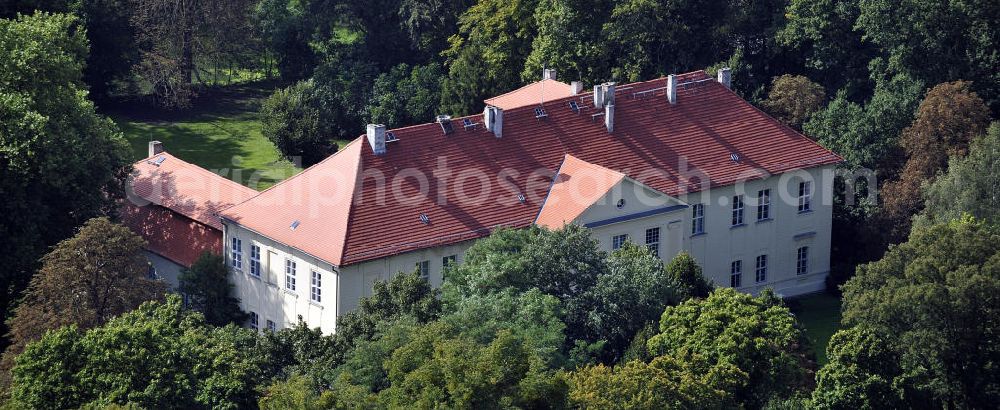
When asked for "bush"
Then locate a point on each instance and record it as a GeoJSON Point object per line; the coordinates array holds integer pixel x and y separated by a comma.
{"type": "Point", "coordinates": [294, 119]}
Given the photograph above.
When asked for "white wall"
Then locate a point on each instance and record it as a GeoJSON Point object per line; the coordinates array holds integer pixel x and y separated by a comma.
{"type": "Point", "coordinates": [357, 280]}
{"type": "Point", "coordinates": [166, 270]}
{"type": "Point", "coordinates": [268, 297]}
{"type": "Point", "coordinates": [778, 237]}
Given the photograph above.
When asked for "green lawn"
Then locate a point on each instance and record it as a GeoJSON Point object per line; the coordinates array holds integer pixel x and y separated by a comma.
{"type": "Point", "coordinates": [820, 315]}
{"type": "Point", "coordinates": [221, 132]}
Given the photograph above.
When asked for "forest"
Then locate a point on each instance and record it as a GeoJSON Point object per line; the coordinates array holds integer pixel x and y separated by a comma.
{"type": "Point", "coordinates": [908, 90]}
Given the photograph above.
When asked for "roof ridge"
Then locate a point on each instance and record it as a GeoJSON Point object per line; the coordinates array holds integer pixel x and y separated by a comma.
{"type": "Point", "coordinates": [523, 87]}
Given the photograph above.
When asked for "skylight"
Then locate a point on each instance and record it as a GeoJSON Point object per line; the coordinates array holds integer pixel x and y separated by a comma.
{"type": "Point", "coordinates": [425, 219]}
{"type": "Point", "coordinates": [540, 113]}
{"type": "Point", "coordinates": [390, 137]}
{"type": "Point", "coordinates": [295, 224]}
{"type": "Point", "coordinates": [574, 106]}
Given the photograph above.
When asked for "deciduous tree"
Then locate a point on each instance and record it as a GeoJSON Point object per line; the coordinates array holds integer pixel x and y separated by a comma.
{"type": "Point", "coordinates": [295, 121]}
{"type": "Point", "coordinates": [208, 290]}
{"type": "Point", "coordinates": [85, 281]}
{"type": "Point", "coordinates": [969, 185]}
{"type": "Point", "coordinates": [793, 98]}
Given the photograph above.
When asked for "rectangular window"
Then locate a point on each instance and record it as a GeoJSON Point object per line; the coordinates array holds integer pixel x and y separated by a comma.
{"type": "Point", "coordinates": [271, 326]}
{"type": "Point", "coordinates": [805, 196]}
{"type": "Point", "coordinates": [618, 241]}
{"type": "Point", "coordinates": [763, 204]}
{"type": "Point", "coordinates": [254, 321]}
{"type": "Point", "coordinates": [237, 254]}
{"type": "Point", "coordinates": [760, 272]}
{"type": "Point", "coordinates": [697, 219]}
{"type": "Point", "coordinates": [802, 261]}
{"type": "Point", "coordinates": [424, 268]}
{"type": "Point", "coordinates": [289, 274]}
{"type": "Point", "coordinates": [653, 241]}
{"type": "Point", "coordinates": [316, 287]}
{"type": "Point", "coordinates": [449, 260]}
{"type": "Point", "coordinates": [736, 274]}
{"type": "Point", "coordinates": [255, 260]}
{"type": "Point", "coordinates": [738, 210]}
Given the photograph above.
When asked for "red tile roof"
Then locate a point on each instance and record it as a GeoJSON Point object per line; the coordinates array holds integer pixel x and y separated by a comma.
{"type": "Point", "coordinates": [531, 94]}
{"type": "Point", "coordinates": [577, 185]}
{"type": "Point", "coordinates": [654, 142]}
{"type": "Point", "coordinates": [174, 206]}
{"type": "Point", "coordinates": [186, 188]}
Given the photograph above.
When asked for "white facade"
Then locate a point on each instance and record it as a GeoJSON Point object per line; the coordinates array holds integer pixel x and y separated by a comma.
{"type": "Point", "coordinates": [779, 237]}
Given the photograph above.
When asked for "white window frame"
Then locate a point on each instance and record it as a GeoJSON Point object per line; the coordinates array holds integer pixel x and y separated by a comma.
{"type": "Point", "coordinates": [760, 269]}
{"type": "Point", "coordinates": [316, 286]}
{"type": "Point", "coordinates": [290, 268]}
{"type": "Point", "coordinates": [254, 321]}
{"type": "Point", "coordinates": [697, 219]}
{"type": "Point", "coordinates": [736, 274]}
{"type": "Point", "coordinates": [737, 210]}
{"type": "Point", "coordinates": [802, 260]}
{"type": "Point", "coordinates": [653, 240]}
{"type": "Point", "coordinates": [764, 204]}
{"type": "Point", "coordinates": [805, 196]}
{"type": "Point", "coordinates": [617, 241]}
{"type": "Point", "coordinates": [236, 253]}
{"type": "Point", "coordinates": [449, 260]}
{"type": "Point", "coordinates": [255, 261]}
{"type": "Point", "coordinates": [424, 268]}
{"type": "Point", "coordinates": [271, 326]}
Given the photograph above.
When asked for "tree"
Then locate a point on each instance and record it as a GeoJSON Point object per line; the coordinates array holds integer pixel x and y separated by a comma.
{"type": "Point", "coordinates": [173, 34]}
{"type": "Point", "coordinates": [855, 376]}
{"type": "Point", "coordinates": [949, 117]}
{"type": "Point", "coordinates": [936, 41]}
{"type": "Point", "coordinates": [285, 29]}
{"type": "Point", "coordinates": [570, 40]}
{"type": "Point", "coordinates": [687, 277]}
{"type": "Point", "coordinates": [294, 120]}
{"type": "Point", "coordinates": [295, 393]}
{"type": "Point", "coordinates": [933, 307]}
{"type": "Point", "coordinates": [595, 291]}
{"type": "Point", "coordinates": [406, 95]}
{"type": "Point", "coordinates": [487, 55]}
{"type": "Point", "coordinates": [436, 366]}
{"type": "Point", "coordinates": [172, 358]}
{"type": "Point", "coordinates": [793, 98]}
{"type": "Point", "coordinates": [62, 164]}
{"type": "Point", "coordinates": [207, 287]}
{"type": "Point", "coordinates": [833, 50]}
{"type": "Point", "coordinates": [406, 294]}
{"type": "Point", "coordinates": [85, 281]}
{"type": "Point", "coordinates": [757, 335]}
{"type": "Point", "coordinates": [663, 383]}
{"type": "Point", "coordinates": [968, 186]}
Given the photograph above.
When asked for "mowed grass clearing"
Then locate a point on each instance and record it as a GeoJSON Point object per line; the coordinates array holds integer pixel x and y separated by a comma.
{"type": "Point", "coordinates": [221, 133]}
{"type": "Point", "coordinates": [819, 314]}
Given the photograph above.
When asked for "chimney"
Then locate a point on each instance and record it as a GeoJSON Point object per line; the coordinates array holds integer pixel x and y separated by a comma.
{"type": "Point", "coordinates": [609, 117]}
{"type": "Point", "coordinates": [672, 89]}
{"type": "Point", "coordinates": [609, 93]}
{"type": "Point", "coordinates": [493, 119]}
{"type": "Point", "coordinates": [598, 96]}
{"type": "Point", "coordinates": [155, 147]}
{"type": "Point", "coordinates": [576, 87]}
{"type": "Point", "coordinates": [726, 77]}
{"type": "Point", "coordinates": [549, 74]}
{"type": "Point", "coordinates": [376, 138]}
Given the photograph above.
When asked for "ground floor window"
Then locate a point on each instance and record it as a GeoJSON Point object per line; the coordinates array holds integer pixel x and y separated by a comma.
{"type": "Point", "coordinates": [618, 241]}
{"type": "Point", "coordinates": [653, 241]}
{"type": "Point", "coordinates": [802, 261]}
{"type": "Point", "coordinates": [760, 273]}
{"type": "Point", "coordinates": [736, 274]}
{"type": "Point", "coordinates": [254, 321]}
{"type": "Point", "coordinates": [424, 268]}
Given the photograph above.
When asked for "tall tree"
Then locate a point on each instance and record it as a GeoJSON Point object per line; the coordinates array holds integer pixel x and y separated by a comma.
{"type": "Point", "coordinates": [173, 34]}
{"type": "Point", "coordinates": [936, 41]}
{"type": "Point", "coordinates": [929, 316]}
{"type": "Point", "coordinates": [62, 164]}
{"type": "Point", "coordinates": [949, 118]}
{"type": "Point", "coordinates": [969, 185]}
{"type": "Point", "coordinates": [171, 358]}
{"type": "Point", "coordinates": [208, 290]}
{"type": "Point", "coordinates": [85, 281]}
{"type": "Point", "coordinates": [487, 55]}
{"type": "Point", "coordinates": [570, 40]}
{"type": "Point", "coordinates": [793, 98]}
{"type": "Point", "coordinates": [757, 335]}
